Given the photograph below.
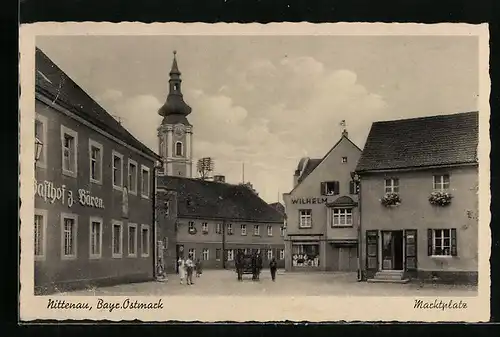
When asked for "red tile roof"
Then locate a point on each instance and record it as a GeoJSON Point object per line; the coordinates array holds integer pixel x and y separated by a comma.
{"type": "Point", "coordinates": [421, 142]}
{"type": "Point", "coordinates": [215, 200]}
{"type": "Point", "coordinates": [54, 84]}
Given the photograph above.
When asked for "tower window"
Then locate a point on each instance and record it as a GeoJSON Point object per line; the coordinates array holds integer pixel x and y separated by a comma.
{"type": "Point", "coordinates": [176, 87]}
{"type": "Point", "coordinates": [178, 149]}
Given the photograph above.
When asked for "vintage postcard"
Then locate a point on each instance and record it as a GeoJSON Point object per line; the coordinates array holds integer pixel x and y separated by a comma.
{"type": "Point", "coordinates": [279, 172]}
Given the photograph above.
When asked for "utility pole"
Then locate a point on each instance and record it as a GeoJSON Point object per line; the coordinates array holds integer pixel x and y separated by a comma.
{"type": "Point", "coordinates": [243, 173]}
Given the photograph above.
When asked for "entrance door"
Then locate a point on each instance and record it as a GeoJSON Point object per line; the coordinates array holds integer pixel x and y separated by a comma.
{"type": "Point", "coordinates": [347, 259]}
{"type": "Point", "coordinates": [392, 250]}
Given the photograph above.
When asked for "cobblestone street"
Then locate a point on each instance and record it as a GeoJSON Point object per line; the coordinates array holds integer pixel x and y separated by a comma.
{"type": "Point", "coordinates": [224, 283]}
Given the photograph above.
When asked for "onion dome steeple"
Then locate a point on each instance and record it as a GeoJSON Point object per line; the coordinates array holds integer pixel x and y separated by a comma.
{"type": "Point", "coordinates": [175, 109]}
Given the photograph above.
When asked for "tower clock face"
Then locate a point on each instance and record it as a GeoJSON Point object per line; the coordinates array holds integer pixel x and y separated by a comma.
{"type": "Point", "coordinates": [179, 130]}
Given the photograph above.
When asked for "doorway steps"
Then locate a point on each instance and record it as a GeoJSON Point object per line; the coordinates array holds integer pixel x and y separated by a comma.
{"type": "Point", "coordinates": [389, 276]}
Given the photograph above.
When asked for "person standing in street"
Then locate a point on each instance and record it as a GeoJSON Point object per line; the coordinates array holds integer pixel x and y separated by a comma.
{"type": "Point", "coordinates": [273, 266]}
{"type": "Point", "coordinates": [189, 269]}
{"type": "Point", "coordinates": [182, 269]}
{"type": "Point", "coordinates": [199, 268]}
{"type": "Point", "coordinates": [259, 265]}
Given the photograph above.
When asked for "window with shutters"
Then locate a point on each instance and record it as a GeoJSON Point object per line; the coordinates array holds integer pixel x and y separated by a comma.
{"type": "Point", "coordinates": [411, 249]}
{"type": "Point", "coordinates": [442, 242]}
{"type": "Point", "coordinates": [305, 218]}
{"type": "Point", "coordinates": [95, 157]}
{"type": "Point", "coordinates": [330, 188]}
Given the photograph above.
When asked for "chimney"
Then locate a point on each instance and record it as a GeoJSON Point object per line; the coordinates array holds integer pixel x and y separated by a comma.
{"type": "Point", "coordinates": [296, 178]}
{"type": "Point", "coordinates": [220, 178]}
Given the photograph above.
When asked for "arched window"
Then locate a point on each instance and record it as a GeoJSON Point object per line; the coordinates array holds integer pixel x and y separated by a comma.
{"type": "Point", "coordinates": [178, 149]}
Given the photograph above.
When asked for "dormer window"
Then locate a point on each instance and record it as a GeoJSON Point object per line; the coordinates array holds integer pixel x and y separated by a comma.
{"type": "Point", "coordinates": [330, 188]}
{"type": "Point", "coordinates": [344, 160]}
{"type": "Point", "coordinates": [178, 149]}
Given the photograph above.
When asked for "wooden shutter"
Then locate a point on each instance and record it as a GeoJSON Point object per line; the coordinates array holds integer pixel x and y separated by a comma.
{"type": "Point", "coordinates": [351, 188]}
{"type": "Point", "coordinates": [453, 242]}
{"type": "Point", "coordinates": [372, 250]}
{"type": "Point", "coordinates": [323, 188]}
{"type": "Point", "coordinates": [336, 187]}
{"type": "Point", "coordinates": [429, 242]}
{"type": "Point", "coordinates": [411, 249]}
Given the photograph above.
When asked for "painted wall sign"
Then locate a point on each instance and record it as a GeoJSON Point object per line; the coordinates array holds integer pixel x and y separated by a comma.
{"type": "Point", "coordinates": [306, 201]}
{"type": "Point", "coordinates": [50, 193]}
{"type": "Point", "coordinates": [86, 199]}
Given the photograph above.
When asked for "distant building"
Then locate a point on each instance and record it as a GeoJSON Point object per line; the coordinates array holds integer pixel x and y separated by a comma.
{"type": "Point", "coordinates": [278, 206]}
{"type": "Point", "coordinates": [322, 214]}
{"type": "Point", "coordinates": [93, 221]}
{"type": "Point", "coordinates": [419, 199]}
{"type": "Point", "coordinates": [214, 219]}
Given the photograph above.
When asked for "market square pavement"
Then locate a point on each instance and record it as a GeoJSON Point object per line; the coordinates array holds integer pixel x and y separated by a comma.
{"type": "Point", "coordinates": [225, 283]}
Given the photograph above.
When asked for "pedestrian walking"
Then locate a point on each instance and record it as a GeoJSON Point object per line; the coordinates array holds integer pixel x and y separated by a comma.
{"type": "Point", "coordinates": [182, 269]}
{"type": "Point", "coordinates": [189, 269]}
{"type": "Point", "coordinates": [273, 266]}
{"type": "Point", "coordinates": [199, 268]}
{"type": "Point", "coordinates": [254, 267]}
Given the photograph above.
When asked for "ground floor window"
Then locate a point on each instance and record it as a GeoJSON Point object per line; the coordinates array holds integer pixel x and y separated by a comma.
{"type": "Point", "coordinates": [282, 254]}
{"type": "Point", "coordinates": [192, 253]}
{"type": "Point", "coordinates": [145, 239]}
{"type": "Point", "coordinates": [230, 255]}
{"type": "Point", "coordinates": [117, 239]}
{"type": "Point", "coordinates": [269, 254]}
{"type": "Point", "coordinates": [69, 235]}
{"type": "Point", "coordinates": [442, 242]}
{"type": "Point", "coordinates": [95, 237]}
{"type": "Point", "coordinates": [305, 255]}
{"type": "Point", "coordinates": [40, 227]}
{"type": "Point", "coordinates": [217, 254]}
{"type": "Point", "coordinates": [206, 254]}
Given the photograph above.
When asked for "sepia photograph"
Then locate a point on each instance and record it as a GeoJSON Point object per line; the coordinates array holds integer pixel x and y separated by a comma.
{"type": "Point", "coordinates": [324, 167]}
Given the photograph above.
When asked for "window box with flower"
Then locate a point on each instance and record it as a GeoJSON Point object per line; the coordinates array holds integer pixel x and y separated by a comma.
{"type": "Point", "coordinates": [391, 199]}
{"type": "Point", "coordinates": [440, 198]}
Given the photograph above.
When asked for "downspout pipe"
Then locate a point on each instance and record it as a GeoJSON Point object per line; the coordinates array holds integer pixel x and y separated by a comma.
{"type": "Point", "coordinates": [360, 250]}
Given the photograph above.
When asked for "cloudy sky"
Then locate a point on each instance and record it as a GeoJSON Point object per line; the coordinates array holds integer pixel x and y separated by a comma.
{"type": "Point", "coordinates": [267, 101]}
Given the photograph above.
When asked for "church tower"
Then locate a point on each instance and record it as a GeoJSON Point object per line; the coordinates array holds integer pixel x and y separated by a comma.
{"type": "Point", "coordinates": [175, 133]}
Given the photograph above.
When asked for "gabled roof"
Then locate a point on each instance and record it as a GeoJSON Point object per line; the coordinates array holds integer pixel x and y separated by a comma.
{"type": "Point", "coordinates": [311, 164]}
{"type": "Point", "coordinates": [421, 142]}
{"type": "Point", "coordinates": [54, 84]}
{"type": "Point", "coordinates": [215, 200]}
